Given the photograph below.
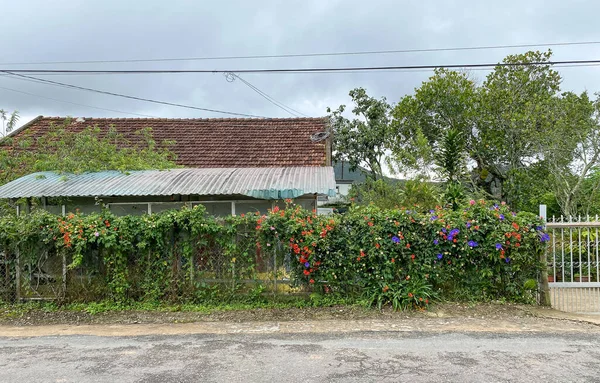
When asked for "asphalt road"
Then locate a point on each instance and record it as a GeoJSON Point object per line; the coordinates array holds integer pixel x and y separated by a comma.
{"type": "Point", "coordinates": [341, 357]}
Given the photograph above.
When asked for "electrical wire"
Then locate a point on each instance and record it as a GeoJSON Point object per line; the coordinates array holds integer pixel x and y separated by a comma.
{"type": "Point", "coordinates": [75, 103]}
{"type": "Point", "coordinates": [50, 82]}
{"type": "Point", "coordinates": [280, 105]}
{"type": "Point", "coordinates": [299, 70]}
{"type": "Point", "coordinates": [314, 54]}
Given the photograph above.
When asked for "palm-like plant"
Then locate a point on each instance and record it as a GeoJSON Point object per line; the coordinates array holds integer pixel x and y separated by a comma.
{"type": "Point", "coordinates": [9, 121]}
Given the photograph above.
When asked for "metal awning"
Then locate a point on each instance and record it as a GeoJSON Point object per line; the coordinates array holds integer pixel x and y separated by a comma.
{"type": "Point", "coordinates": [263, 183]}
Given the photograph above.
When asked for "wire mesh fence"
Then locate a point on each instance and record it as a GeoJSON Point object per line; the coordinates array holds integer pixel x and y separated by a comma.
{"type": "Point", "coordinates": [174, 274]}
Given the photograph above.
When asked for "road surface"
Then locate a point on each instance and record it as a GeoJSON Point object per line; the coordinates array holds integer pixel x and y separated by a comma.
{"type": "Point", "coordinates": [411, 356]}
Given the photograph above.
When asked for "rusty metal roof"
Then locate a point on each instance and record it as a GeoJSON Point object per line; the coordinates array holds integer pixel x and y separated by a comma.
{"type": "Point", "coordinates": [263, 183]}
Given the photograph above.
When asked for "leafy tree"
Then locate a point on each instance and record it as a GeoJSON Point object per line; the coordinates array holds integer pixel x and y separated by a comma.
{"type": "Point", "coordinates": [362, 140]}
{"type": "Point", "coordinates": [93, 149]}
{"type": "Point", "coordinates": [572, 152]}
{"type": "Point", "coordinates": [502, 122]}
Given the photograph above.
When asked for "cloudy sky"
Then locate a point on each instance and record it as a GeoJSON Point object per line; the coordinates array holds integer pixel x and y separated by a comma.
{"type": "Point", "coordinates": [71, 30]}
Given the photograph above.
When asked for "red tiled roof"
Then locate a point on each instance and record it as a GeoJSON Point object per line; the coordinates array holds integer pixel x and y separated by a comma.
{"type": "Point", "coordinates": [230, 142]}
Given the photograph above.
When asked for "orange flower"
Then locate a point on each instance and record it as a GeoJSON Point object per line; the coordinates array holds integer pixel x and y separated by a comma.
{"type": "Point", "coordinates": [412, 257]}
{"type": "Point", "coordinates": [410, 295]}
{"type": "Point", "coordinates": [385, 289]}
{"type": "Point", "coordinates": [370, 223]}
{"type": "Point", "coordinates": [393, 260]}
{"type": "Point", "coordinates": [408, 245]}
{"type": "Point", "coordinates": [515, 225]}
{"type": "Point", "coordinates": [377, 245]}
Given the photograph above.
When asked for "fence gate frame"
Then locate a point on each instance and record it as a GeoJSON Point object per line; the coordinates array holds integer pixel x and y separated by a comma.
{"type": "Point", "coordinates": [573, 263]}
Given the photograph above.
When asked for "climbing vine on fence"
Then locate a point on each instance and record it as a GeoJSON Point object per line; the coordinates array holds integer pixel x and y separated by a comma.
{"type": "Point", "coordinates": [396, 256]}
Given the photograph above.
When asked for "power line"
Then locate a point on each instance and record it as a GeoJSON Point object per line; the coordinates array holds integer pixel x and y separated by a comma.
{"type": "Point", "coordinates": [74, 103]}
{"type": "Point", "coordinates": [299, 70]}
{"type": "Point", "coordinates": [130, 97]}
{"type": "Point", "coordinates": [280, 105]}
{"type": "Point", "coordinates": [313, 54]}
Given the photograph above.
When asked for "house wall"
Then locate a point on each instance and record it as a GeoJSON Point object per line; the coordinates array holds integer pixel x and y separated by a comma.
{"type": "Point", "coordinates": [215, 205]}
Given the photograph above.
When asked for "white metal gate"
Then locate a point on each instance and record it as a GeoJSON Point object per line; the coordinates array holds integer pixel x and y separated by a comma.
{"type": "Point", "coordinates": [573, 264]}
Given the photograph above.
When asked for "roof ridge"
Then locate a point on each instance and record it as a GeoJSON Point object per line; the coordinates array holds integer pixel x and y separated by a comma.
{"type": "Point", "coordinates": [181, 118]}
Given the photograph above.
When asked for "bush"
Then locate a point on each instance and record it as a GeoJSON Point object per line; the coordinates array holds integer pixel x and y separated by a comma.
{"type": "Point", "coordinates": [388, 256]}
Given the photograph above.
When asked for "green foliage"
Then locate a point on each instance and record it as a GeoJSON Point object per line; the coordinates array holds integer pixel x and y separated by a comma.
{"type": "Point", "coordinates": [386, 256]}
{"type": "Point", "coordinates": [519, 134]}
{"type": "Point", "coordinates": [67, 150]}
{"type": "Point", "coordinates": [405, 258]}
{"type": "Point", "coordinates": [417, 193]}
{"type": "Point", "coordinates": [362, 140]}
{"type": "Point", "coordinates": [9, 121]}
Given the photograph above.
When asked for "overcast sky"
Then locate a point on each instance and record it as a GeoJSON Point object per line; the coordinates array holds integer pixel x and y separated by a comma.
{"type": "Point", "coordinates": [69, 30]}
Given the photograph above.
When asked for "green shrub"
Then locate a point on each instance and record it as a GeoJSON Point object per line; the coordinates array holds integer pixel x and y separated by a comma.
{"type": "Point", "coordinates": [401, 257]}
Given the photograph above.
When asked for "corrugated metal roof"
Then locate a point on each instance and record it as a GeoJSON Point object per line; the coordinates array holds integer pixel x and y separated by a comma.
{"type": "Point", "coordinates": [263, 183]}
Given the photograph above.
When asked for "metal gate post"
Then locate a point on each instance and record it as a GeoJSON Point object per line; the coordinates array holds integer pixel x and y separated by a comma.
{"type": "Point", "coordinates": [544, 288]}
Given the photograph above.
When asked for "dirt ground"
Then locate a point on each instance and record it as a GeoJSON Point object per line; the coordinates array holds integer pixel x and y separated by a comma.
{"type": "Point", "coordinates": [42, 317]}
{"type": "Point", "coordinates": [484, 313]}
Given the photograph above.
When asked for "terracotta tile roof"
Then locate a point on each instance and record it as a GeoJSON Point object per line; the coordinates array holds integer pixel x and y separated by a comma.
{"type": "Point", "coordinates": [230, 142]}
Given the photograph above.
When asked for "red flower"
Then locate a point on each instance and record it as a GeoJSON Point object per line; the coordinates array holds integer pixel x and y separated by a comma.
{"type": "Point", "coordinates": [393, 260]}
{"type": "Point", "coordinates": [412, 257]}
{"type": "Point", "coordinates": [408, 245]}
{"type": "Point", "coordinates": [275, 209]}
{"type": "Point", "coordinates": [517, 244]}
{"type": "Point", "coordinates": [312, 281]}
{"type": "Point", "coordinates": [377, 245]}
{"type": "Point", "coordinates": [306, 272]}
{"type": "Point", "coordinates": [370, 223]}
{"type": "Point", "coordinates": [410, 295]}
{"type": "Point", "coordinates": [515, 225]}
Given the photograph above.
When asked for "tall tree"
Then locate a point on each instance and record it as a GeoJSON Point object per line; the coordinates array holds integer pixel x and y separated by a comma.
{"type": "Point", "coordinates": [362, 141]}
{"type": "Point", "coordinates": [502, 120]}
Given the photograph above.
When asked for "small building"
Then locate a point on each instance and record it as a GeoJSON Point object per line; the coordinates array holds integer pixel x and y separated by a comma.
{"type": "Point", "coordinates": [231, 166]}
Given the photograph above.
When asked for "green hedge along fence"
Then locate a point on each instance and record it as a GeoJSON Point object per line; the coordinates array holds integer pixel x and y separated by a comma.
{"type": "Point", "coordinates": [399, 257]}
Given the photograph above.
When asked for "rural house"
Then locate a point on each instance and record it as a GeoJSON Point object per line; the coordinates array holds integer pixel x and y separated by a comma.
{"type": "Point", "coordinates": [231, 166]}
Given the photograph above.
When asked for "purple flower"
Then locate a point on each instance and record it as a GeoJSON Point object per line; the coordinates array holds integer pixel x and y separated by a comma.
{"type": "Point", "coordinates": [538, 228]}
{"type": "Point", "coordinates": [498, 246]}
{"type": "Point", "coordinates": [395, 239]}
{"type": "Point", "coordinates": [306, 264]}
{"type": "Point", "coordinates": [468, 225]}
{"type": "Point", "coordinates": [507, 259]}
{"type": "Point", "coordinates": [433, 218]}
{"type": "Point", "coordinates": [435, 242]}
{"type": "Point", "coordinates": [513, 213]}
{"type": "Point", "coordinates": [443, 229]}
{"type": "Point", "coordinates": [472, 243]}
{"type": "Point", "coordinates": [432, 211]}
{"type": "Point", "coordinates": [545, 237]}
{"type": "Point", "coordinates": [450, 238]}
{"type": "Point", "coordinates": [453, 232]}
{"type": "Point", "coordinates": [501, 217]}
{"type": "Point", "coordinates": [440, 256]}
{"type": "Point", "coordinates": [97, 234]}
